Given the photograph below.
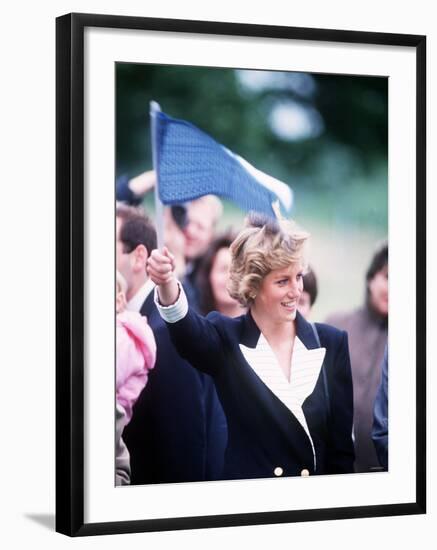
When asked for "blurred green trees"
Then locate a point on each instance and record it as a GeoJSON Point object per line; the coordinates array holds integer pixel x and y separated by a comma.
{"type": "Point", "coordinates": [324, 135]}
{"type": "Point", "coordinates": [312, 131]}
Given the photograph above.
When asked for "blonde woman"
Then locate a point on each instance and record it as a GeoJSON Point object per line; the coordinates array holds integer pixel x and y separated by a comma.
{"type": "Point", "coordinates": [285, 385]}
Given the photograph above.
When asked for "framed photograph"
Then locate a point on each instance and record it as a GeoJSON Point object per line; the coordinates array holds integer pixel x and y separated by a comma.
{"type": "Point", "coordinates": [326, 127]}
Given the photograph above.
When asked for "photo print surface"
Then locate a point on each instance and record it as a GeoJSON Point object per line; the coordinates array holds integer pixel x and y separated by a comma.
{"type": "Point", "coordinates": [271, 221]}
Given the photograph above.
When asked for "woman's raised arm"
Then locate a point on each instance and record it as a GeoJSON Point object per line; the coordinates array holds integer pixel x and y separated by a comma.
{"type": "Point", "coordinates": [161, 267]}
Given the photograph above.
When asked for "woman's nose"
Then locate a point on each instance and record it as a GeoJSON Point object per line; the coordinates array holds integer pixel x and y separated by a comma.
{"type": "Point", "coordinates": [293, 290]}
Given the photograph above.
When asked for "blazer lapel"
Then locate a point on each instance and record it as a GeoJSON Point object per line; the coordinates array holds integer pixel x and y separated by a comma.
{"type": "Point", "coordinates": [250, 332]}
{"type": "Point", "coordinates": [307, 361]}
{"type": "Point", "coordinates": [305, 332]}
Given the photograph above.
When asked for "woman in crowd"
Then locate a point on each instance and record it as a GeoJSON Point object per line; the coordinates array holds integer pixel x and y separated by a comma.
{"type": "Point", "coordinates": [213, 277]}
{"type": "Point", "coordinates": [309, 293]}
{"type": "Point", "coordinates": [367, 329]}
{"type": "Point", "coordinates": [285, 385]}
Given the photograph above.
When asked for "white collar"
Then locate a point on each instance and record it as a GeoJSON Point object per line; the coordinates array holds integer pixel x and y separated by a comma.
{"type": "Point", "coordinates": [137, 301]}
{"type": "Point", "coordinates": [305, 369]}
{"type": "Point", "coordinates": [263, 361]}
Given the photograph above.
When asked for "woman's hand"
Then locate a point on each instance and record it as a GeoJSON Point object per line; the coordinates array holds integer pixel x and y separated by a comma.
{"type": "Point", "coordinates": [160, 267]}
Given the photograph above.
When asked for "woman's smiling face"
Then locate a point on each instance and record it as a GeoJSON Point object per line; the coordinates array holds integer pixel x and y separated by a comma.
{"type": "Point", "coordinates": [279, 294]}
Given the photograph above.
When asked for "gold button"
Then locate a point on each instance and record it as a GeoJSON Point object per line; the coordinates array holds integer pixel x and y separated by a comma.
{"type": "Point", "coordinates": [278, 471]}
{"type": "Point", "coordinates": [304, 473]}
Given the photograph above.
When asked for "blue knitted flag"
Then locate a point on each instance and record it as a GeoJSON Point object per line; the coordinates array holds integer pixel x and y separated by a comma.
{"type": "Point", "coordinates": [191, 164]}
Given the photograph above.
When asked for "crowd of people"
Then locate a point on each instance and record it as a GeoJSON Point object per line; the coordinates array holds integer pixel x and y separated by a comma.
{"type": "Point", "coordinates": [220, 373]}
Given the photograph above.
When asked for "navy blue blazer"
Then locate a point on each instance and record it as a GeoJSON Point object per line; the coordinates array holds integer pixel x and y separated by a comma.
{"type": "Point", "coordinates": [178, 430]}
{"type": "Point", "coordinates": [264, 436]}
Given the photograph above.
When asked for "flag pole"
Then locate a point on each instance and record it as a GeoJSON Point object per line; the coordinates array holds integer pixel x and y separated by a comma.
{"type": "Point", "coordinates": [159, 207]}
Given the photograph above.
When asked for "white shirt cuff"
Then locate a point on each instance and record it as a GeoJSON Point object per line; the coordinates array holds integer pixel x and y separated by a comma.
{"type": "Point", "coordinates": [175, 312]}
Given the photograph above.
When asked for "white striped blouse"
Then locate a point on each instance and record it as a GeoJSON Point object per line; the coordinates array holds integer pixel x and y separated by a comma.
{"type": "Point", "coordinates": [305, 370]}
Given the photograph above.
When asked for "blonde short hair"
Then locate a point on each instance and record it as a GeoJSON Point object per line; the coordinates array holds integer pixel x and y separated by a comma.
{"type": "Point", "coordinates": [262, 246]}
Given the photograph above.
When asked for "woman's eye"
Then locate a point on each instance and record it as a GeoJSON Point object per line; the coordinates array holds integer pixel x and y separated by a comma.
{"type": "Point", "coordinates": [282, 282]}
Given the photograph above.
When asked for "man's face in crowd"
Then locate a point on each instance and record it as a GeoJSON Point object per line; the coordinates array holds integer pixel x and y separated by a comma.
{"type": "Point", "coordinates": [199, 230]}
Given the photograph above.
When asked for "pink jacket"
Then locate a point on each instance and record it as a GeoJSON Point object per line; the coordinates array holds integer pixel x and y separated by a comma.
{"type": "Point", "coordinates": [136, 354]}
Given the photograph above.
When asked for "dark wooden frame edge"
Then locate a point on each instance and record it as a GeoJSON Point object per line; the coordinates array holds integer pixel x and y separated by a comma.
{"type": "Point", "coordinates": [70, 276]}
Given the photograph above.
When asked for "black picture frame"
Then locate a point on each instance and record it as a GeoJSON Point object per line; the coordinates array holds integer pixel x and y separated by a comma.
{"type": "Point", "coordinates": [70, 291]}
